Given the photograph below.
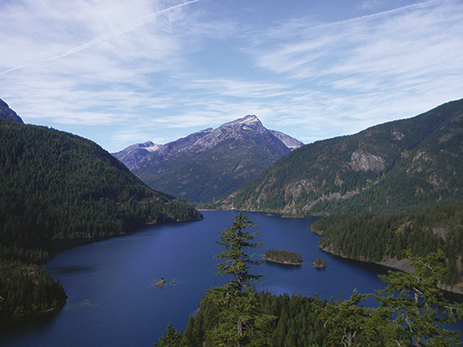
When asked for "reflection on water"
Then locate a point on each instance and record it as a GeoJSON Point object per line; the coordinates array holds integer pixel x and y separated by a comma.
{"type": "Point", "coordinates": [34, 324]}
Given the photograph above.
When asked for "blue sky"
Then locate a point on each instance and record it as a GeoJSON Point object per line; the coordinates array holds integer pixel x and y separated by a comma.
{"type": "Point", "coordinates": [124, 72]}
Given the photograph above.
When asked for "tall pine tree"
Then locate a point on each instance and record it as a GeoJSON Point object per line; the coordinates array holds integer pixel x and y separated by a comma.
{"type": "Point", "coordinates": [241, 322]}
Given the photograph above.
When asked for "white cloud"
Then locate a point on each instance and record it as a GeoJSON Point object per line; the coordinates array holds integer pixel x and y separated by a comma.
{"type": "Point", "coordinates": [76, 62]}
{"type": "Point", "coordinates": [163, 69]}
{"type": "Point", "coordinates": [380, 46]}
{"type": "Point", "coordinates": [371, 62]}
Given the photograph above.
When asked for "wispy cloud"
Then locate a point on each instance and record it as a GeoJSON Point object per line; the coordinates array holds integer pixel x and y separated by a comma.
{"type": "Point", "coordinates": [105, 28]}
{"type": "Point", "coordinates": [120, 71]}
{"type": "Point", "coordinates": [78, 61]}
{"type": "Point", "coordinates": [402, 54]}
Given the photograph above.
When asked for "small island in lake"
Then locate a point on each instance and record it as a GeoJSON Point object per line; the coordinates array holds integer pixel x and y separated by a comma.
{"type": "Point", "coordinates": [160, 283]}
{"type": "Point", "coordinates": [320, 263]}
{"type": "Point", "coordinates": [283, 257]}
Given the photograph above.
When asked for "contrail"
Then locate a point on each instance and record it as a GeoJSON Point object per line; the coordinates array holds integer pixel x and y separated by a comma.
{"type": "Point", "coordinates": [103, 37]}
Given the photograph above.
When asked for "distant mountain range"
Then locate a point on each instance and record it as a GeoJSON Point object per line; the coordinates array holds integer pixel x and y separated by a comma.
{"type": "Point", "coordinates": [211, 163]}
{"type": "Point", "coordinates": [388, 167]}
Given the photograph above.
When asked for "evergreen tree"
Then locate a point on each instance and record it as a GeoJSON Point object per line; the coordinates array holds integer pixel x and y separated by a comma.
{"type": "Point", "coordinates": [170, 338]}
{"type": "Point", "coordinates": [241, 322]}
{"type": "Point", "coordinates": [418, 309]}
{"type": "Point", "coordinates": [348, 321]}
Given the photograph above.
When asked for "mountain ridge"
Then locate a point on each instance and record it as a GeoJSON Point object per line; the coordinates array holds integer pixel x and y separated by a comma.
{"type": "Point", "coordinates": [210, 163]}
{"type": "Point", "coordinates": [385, 167]}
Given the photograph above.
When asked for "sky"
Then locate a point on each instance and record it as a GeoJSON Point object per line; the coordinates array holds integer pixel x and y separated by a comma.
{"type": "Point", "coordinates": [124, 72]}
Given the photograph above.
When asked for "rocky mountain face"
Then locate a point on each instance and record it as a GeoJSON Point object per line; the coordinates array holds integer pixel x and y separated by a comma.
{"type": "Point", "coordinates": [211, 163]}
{"type": "Point", "coordinates": [289, 141]}
{"type": "Point", "coordinates": [132, 155]}
{"type": "Point", "coordinates": [8, 114]}
{"type": "Point", "coordinates": [388, 167]}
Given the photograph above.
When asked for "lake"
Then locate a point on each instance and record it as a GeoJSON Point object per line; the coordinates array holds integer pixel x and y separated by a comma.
{"type": "Point", "coordinates": [112, 300]}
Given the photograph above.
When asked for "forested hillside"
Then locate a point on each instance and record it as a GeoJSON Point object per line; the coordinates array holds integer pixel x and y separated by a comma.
{"type": "Point", "coordinates": [377, 237]}
{"type": "Point", "coordinates": [59, 185]}
{"type": "Point", "coordinates": [388, 167]}
{"type": "Point", "coordinates": [56, 185]}
{"type": "Point", "coordinates": [26, 287]}
{"type": "Point", "coordinates": [391, 191]}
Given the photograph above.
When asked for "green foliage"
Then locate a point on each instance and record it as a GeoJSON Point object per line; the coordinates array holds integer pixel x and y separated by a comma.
{"type": "Point", "coordinates": [241, 323]}
{"type": "Point", "coordinates": [412, 312]}
{"type": "Point", "coordinates": [170, 338]}
{"type": "Point", "coordinates": [378, 236]}
{"type": "Point", "coordinates": [238, 258]}
{"type": "Point", "coordinates": [417, 309]}
{"type": "Point", "coordinates": [26, 289]}
{"type": "Point", "coordinates": [57, 185]}
{"type": "Point", "coordinates": [13, 253]}
{"type": "Point", "coordinates": [295, 322]}
{"type": "Point", "coordinates": [349, 323]}
{"type": "Point", "coordinates": [319, 262]}
{"type": "Point", "coordinates": [281, 256]}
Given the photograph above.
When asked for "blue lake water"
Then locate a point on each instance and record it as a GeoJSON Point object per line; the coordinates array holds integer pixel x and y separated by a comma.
{"type": "Point", "coordinates": [112, 300]}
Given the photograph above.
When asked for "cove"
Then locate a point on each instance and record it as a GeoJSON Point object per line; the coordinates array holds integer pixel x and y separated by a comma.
{"type": "Point", "coordinates": [112, 300]}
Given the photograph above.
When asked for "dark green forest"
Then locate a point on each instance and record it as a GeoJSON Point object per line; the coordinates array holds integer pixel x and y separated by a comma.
{"type": "Point", "coordinates": [55, 185]}
{"type": "Point", "coordinates": [320, 263]}
{"type": "Point", "coordinates": [377, 236]}
{"type": "Point", "coordinates": [26, 288]}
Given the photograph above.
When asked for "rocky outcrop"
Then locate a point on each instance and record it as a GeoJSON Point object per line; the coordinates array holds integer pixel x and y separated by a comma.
{"type": "Point", "coordinates": [132, 155]}
{"type": "Point", "coordinates": [160, 283]}
{"type": "Point", "coordinates": [387, 167]}
{"type": "Point", "coordinates": [364, 161]}
{"type": "Point", "coordinates": [289, 141]}
{"type": "Point", "coordinates": [201, 141]}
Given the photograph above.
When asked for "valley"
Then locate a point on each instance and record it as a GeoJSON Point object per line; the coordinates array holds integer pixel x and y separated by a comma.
{"type": "Point", "coordinates": [385, 194]}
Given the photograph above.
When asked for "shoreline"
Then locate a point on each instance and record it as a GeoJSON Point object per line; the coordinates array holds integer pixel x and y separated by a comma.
{"type": "Point", "coordinates": [401, 265]}
{"type": "Point", "coordinates": [282, 262]}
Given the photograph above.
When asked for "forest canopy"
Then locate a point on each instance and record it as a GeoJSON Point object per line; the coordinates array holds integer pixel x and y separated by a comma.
{"type": "Point", "coordinates": [376, 237]}
{"type": "Point", "coordinates": [57, 185]}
